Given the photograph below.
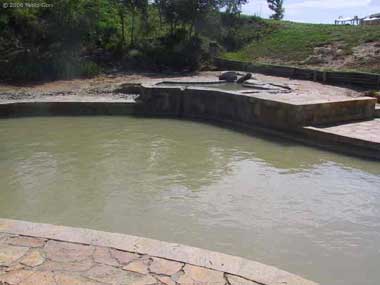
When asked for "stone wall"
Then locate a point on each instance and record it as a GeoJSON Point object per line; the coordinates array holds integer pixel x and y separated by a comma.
{"type": "Point", "coordinates": [160, 101]}
{"type": "Point", "coordinates": [207, 104]}
{"type": "Point", "coordinates": [19, 109]}
{"type": "Point", "coordinates": [223, 106]}
{"type": "Point", "coordinates": [231, 109]}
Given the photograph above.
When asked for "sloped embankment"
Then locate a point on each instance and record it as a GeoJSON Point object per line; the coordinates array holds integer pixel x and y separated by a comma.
{"type": "Point", "coordinates": [317, 46]}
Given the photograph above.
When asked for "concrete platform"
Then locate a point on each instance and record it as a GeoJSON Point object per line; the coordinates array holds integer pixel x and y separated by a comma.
{"type": "Point", "coordinates": [364, 134]}
{"type": "Point", "coordinates": [42, 254]}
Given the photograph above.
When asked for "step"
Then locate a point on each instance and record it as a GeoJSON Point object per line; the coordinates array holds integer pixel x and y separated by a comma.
{"type": "Point", "coordinates": [377, 111]}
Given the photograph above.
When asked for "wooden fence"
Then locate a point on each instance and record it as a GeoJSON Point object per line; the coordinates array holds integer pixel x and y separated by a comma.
{"type": "Point", "coordinates": [369, 80]}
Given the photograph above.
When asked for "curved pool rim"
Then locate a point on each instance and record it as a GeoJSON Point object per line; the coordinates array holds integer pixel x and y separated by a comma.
{"type": "Point", "coordinates": [73, 108]}
{"type": "Point", "coordinates": [145, 108]}
{"type": "Point", "coordinates": [247, 269]}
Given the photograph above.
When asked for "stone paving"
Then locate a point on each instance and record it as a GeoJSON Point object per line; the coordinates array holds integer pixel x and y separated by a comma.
{"type": "Point", "coordinates": [41, 254]}
{"type": "Point", "coordinates": [31, 260]}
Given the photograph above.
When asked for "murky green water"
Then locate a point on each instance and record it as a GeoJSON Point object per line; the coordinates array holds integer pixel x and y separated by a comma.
{"type": "Point", "coordinates": [307, 211]}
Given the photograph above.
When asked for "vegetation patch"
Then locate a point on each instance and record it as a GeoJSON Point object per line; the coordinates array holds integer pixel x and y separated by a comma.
{"type": "Point", "coordinates": [67, 39]}
{"type": "Point", "coordinates": [82, 38]}
{"type": "Point", "coordinates": [293, 43]}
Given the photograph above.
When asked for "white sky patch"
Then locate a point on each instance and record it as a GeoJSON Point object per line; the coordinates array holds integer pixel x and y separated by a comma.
{"type": "Point", "coordinates": [328, 4]}
{"type": "Point", "coordinates": [316, 11]}
{"type": "Point", "coordinates": [258, 8]}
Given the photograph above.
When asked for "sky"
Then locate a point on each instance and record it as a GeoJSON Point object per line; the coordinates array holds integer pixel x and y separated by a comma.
{"type": "Point", "coordinates": [316, 11]}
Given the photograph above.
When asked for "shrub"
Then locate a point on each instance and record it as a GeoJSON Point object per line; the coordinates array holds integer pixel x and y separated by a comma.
{"type": "Point", "coordinates": [174, 52]}
{"type": "Point", "coordinates": [31, 66]}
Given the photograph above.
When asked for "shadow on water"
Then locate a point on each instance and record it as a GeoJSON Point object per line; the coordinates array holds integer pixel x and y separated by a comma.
{"type": "Point", "coordinates": [286, 153]}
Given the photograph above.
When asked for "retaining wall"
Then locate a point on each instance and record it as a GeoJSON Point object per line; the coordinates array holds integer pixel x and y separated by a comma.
{"type": "Point", "coordinates": [229, 108]}
{"type": "Point", "coordinates": [368, 80]}
{"type": "Point", "coordinates": [77, 108]}
{"type": "Point", "coordinates": [205, 103]}
{"type": "Point", "coordinates": [217, 105]}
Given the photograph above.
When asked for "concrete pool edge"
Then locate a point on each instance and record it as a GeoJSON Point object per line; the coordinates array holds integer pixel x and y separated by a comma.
{"type": "Point", "coordinates": [307, 135]}
{"type": "Point", "coordinates": [227, 264]}
{"type": "Point", "coordinates": [268, 114]}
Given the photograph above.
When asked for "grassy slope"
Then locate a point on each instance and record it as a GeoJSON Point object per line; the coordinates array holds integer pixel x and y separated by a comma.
{"type": "Point", "coordinates": [292, 43]}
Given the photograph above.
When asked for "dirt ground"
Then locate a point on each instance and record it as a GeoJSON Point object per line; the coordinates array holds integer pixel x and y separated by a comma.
{"type": "Point", "coordinates": [335, 56]}
{"type": "Point", "coordinates": [105, 86]}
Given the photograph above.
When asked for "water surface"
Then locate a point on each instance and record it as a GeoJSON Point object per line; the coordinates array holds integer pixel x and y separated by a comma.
{"type": "Point", "coordinates": [307, 211]}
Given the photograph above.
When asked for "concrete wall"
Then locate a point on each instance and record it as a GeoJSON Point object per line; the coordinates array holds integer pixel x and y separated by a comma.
{"type": "Point", "coordinates": [208, 104]}
{"type": "Point", "coordinates": [160, 101]}
{"type": "Point", "coordinates": [19, 109]}
{"type": "Point", "coordinates": [230, 107]}
{"type": "Point", "coordinates": [222, 106]}
{"type": "Point", "coordinates": [245, 112]}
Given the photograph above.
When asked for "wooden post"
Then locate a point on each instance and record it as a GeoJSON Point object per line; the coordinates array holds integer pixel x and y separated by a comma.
{"type": "Point", "coordinates": [324, 76]}
{"type": "Point", "coordinates": [315, 75]}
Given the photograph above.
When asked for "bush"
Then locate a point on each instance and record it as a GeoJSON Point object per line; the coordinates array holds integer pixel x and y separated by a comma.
{"type": "Point", "coordinates": [31, 66]}
{"type": "Point", "coordinates": [175, 52]}
{"type": "Point", "coordinates": [89, 69]}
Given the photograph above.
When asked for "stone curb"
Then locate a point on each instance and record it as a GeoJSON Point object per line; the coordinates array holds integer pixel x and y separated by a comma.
{"type": "Point", "coordinates": [255, 271]}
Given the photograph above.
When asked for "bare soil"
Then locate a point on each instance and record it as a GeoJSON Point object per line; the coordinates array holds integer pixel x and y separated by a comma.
{"type": "Point", "coordinates": [106, 87]}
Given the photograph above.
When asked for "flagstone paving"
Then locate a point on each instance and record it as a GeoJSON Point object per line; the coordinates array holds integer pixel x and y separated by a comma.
{"type": "Point", "coordinates": [44, 254]}
{"type": "Point", "coordinates": [30, 260]}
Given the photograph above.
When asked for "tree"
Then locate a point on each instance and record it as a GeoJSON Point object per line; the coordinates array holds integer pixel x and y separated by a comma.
{"type": "Point", "coordinates": [134, 7]}
{"type": "Point", "coordinates": [233, 7]}
{"type": "Point", "coordinates": [190, 12]}
{"type": "Point", "coordinates": [277, 6]}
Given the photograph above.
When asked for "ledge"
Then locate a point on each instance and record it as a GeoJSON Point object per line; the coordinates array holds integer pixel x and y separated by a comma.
{"type": "Point", "coordinates": [239, 267]}
{"type": "Point", "coordinates": [66, 108]}
{"type": "Point", "coordinates": [229, 109]}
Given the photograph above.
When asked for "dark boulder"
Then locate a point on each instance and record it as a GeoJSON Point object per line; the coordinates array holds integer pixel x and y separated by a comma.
{"type": "Point", "coordinates": [229, 76]}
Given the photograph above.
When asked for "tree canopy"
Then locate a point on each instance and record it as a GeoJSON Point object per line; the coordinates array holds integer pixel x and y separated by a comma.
{"type": "Point", "coordinates": [277, 6]}
{"type": "Point", "coordinates": [70, 37]}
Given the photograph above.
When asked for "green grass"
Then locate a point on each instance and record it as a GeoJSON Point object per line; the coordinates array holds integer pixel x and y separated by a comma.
{"type": "Point", "coordinates": [291, 43]}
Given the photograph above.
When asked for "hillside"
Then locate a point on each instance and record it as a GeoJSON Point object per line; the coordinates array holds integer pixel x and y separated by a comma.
{"type": "Point", "coordinates": [68, 41]}
{"type": "Point", "coordinates": [312, 45]}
